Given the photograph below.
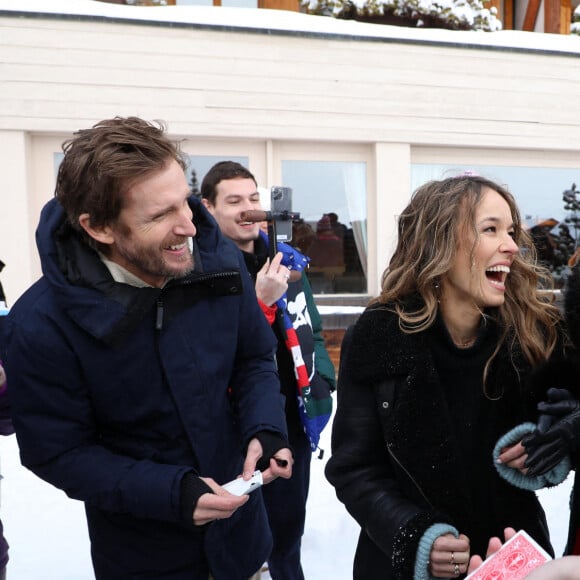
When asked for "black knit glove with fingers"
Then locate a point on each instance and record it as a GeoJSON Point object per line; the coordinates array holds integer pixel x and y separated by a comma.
{"type": "Point", "coordinates": [271, 443]}
{"type": "Point", "coordinates": [558, 433]}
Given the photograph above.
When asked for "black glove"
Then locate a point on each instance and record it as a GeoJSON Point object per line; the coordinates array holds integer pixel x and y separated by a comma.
{"type": "Point", "coordinates": [557, 435]}
{"type": "Point", "coordinates": [550, 413]}
{"type": "Point", "coordinates": [271, 443]}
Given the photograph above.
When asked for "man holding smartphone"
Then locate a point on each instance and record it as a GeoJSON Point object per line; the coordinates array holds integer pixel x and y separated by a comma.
{"type": "Point", "coordinates": [228, 190]}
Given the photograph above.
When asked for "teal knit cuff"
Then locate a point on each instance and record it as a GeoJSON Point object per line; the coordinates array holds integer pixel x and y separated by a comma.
{"type": "Point", "coordinates": [514, 476]}
{"type": "Point", "coordinates": [424, 549]}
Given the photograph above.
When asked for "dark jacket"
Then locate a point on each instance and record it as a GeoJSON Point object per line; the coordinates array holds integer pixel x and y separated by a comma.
{"type": "Point", "coordinates": [118, 391]}
{"type": "Point", "coordinates": [570, 373]}
{"type": "Point", "coordinates": [395, 456]}
{"type": "Point", "coordinates": [6, 428]}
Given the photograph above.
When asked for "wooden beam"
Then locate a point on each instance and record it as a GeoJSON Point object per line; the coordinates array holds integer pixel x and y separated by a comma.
{"type": "Point", "coordinates": [552, 16]}
{"type": "Point", "coordinates": [566, 17]}
{"type": "Point", "coordinates": [508, 15]}
{"type": "Point", "coordinates": [557, 16]}
{"type": "Point", "coordinates": [293, 5]}
{"type": "Point", "coordinates": [531, 15]}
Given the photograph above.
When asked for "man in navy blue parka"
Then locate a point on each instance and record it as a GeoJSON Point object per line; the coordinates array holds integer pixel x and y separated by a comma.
{"type": "Point", "coordinates": [142, 370]}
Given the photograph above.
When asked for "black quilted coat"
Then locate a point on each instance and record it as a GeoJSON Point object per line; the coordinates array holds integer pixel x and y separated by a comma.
{"type": "Point", "coordinates": [571, 378]}
{"type": "Point", "coordinates": [394, 460]}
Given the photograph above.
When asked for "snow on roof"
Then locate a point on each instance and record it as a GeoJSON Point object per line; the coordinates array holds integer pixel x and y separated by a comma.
{"type": "Point", "coordinates": [283, 21]}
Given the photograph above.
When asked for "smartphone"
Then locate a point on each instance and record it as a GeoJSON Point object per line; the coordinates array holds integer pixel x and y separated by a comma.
{"type": "Point", "coordinates": [240, 487]}
{"type": "Point", "coordinates": [281, 203]}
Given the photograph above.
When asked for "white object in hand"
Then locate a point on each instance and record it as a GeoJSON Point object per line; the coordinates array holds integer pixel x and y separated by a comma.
{"type": "Point", "coordinates": [240, 486]}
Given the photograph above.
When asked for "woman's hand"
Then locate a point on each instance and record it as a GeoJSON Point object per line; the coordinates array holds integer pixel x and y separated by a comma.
{"type": "Point", "coordinates": [514, 456]}
{"type": "Point", "coordinates": [449, 556]}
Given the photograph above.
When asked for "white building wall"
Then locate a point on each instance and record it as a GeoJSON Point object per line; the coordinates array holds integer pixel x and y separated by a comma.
{"type": "Point", "coordinates": [59, 75]}
{"type": "Point", "coordinates": [389, 94]}
{"type": "Point", "coordinates": [16, 229]}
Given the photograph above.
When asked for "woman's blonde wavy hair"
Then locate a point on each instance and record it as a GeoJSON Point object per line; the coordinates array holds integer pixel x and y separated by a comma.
{"type": "Point", "coordinates": [428, 231]}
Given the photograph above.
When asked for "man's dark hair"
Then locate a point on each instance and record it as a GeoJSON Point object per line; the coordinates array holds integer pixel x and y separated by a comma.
{"type": "Point", "coordinates": [102, 162]}
{"type": "Point", "coordinates": [219, 172]}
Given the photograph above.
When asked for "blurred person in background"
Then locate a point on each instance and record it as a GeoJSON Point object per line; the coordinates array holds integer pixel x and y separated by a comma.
{"type": "Point", "coordinates": [6, 427]}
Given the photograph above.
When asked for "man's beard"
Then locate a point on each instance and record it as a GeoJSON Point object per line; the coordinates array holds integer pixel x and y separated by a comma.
{"type": "Point", "coordinates": [153, 264]}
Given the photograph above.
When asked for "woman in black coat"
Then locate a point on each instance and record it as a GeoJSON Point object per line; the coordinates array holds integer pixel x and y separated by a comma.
{"type": "Point", "coordinates": [433, 397]}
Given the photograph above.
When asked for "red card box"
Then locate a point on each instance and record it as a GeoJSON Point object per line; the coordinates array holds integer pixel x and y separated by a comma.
{"type": "Point", "coordinates": [514, 561]}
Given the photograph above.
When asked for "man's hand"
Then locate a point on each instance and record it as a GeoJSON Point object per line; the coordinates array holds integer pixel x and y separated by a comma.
{"type": "Point", "coordinates": [280, 463]}
{"type": "Point", "coordinates": [566, 568]}
{"type": "Point", "coordinates": [449, 556]}
{"type": "Point", "coordinates": [219, 505]}
{"type": "Point", "coordinates": [492, 547]}
{"type": "Point", "coordinates": [272, 280]}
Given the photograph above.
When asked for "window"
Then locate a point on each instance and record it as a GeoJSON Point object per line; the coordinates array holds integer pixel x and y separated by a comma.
{"type": "Point", "coordinates": [199, 165]}
{"type": "Point", "coordinates": [330, 197]}
{"type": "Point", "coordinates": [57, 160]}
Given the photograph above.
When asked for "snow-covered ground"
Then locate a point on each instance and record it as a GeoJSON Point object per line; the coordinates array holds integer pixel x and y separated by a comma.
{"type": "Point", "coordinates": [48, 538]}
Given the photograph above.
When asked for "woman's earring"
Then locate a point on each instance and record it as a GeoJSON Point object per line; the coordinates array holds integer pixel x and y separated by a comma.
{"type": "Point", "coordinates": [437, 288]}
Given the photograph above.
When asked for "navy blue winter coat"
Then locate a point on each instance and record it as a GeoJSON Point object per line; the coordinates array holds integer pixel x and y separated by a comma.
{"type": "Point", "coordinates": [118, 391]}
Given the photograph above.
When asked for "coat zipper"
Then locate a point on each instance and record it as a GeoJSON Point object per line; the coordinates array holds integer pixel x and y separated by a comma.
{"type": "Point", "coordinates": [159, 315]}
{"type": "Point", "coordinates": [202, 278]}
{"type": "Point", "coordinates": [395, 459]}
